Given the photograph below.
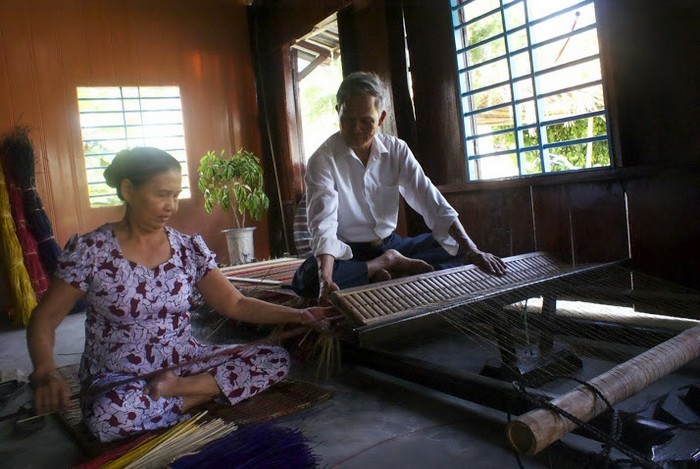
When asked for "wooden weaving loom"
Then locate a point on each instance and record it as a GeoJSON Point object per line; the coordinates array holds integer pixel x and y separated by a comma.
{"type": "Point", "coordinates": [466, 291]}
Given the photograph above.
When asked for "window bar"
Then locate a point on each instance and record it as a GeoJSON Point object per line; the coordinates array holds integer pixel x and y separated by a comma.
{"type": "Point", "coordinates": [470, 128]}
{"type": "Point", "coordinates": [577, 141]}
{"type": "Point", "coordinates": [530, 24]}
{"type": "Point", "coordinates": [121, 102]}
{"type": "Point", "coordinates": [463, 24]}
{"type": "Point", "coordinates": [495, 132]}
{"type": "Point", "coordinates": [544, 162]}
{"type": "Point", "coordinates": [560, 12]}
{"type": "Point", "coordinates": [486, 88]}
{"type": "Point", "coordinates": [511, 84]}
{"type": "Point", "coordinates": [562, 120]}
{"type": "Point", "coordinates": [493, 153]}
{"type": "Point", "coordinates": [143, 130]}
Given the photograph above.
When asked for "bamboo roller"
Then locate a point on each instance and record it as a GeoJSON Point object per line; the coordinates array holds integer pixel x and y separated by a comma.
{"type": "Point", "coordinates": [532, 432]}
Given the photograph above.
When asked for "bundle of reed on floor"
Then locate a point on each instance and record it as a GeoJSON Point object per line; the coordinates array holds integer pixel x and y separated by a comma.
{"type": "Point", "coordinates": [261, 446]}
{"type": "Point", "coordinates": [182, 439]}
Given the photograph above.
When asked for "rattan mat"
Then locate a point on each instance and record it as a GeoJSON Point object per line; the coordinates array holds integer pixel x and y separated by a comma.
{"type": "Point", "coordinates": [283, 399]}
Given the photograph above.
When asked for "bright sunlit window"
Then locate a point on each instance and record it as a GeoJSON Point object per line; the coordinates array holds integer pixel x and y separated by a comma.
{"type": "Point", "coordinates": [120, 117]}
{"type": "Point", "coordinates": [317, 102]}
{"type": "Point", "coordinates": [531, 87]}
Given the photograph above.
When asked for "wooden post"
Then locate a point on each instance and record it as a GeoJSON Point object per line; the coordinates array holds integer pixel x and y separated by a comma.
{"type": "Point", "coordinates": [534, 431]}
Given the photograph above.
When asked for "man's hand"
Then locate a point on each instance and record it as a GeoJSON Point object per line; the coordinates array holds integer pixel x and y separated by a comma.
{"type": "Point", "coordinates": [326, 287]}
{"type": "Point", "coordinates": [486, 262]}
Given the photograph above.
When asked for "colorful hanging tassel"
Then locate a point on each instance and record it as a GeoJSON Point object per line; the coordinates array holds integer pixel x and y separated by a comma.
{"type": "Point", "coordinates": [30, 253]}
{"type": "Point", "coordinates": [17, 148]}
{"type": "Point", "coordinates": [22, 296]}
{"type": "Point", "coordinates": [39, 224]}
{"type": "Point", "coordinates": [20, 159]}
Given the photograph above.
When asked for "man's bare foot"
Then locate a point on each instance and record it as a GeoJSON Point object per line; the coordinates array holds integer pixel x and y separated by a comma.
{"type": "Point", "coordinates": [382, 275]}
{"type": "Point", "coordinates": [402, 266]}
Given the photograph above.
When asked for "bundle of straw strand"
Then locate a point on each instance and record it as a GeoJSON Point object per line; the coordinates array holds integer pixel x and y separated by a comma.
{"type": "Point", "coordinates": [184, 438]}
{"type": "Point", "coordinates": [23, 298]}
{"type": "Point", "coordinates": [328, 349]}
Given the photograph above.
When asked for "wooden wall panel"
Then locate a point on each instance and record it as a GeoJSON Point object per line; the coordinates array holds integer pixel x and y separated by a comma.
{"type": "Point", "coordinates": [655, 69]}
{"type": "Point", "coordinates": [286, 20]}
{"type": "Point", "coordinates": [96, 27]}
{"type": "Point", "coordinates": [581, 223]}
{"type": "Point", "coordinates": [72, 42]}
{"type": "Point", "coordinates": [665, 219]}
{"type": "Point", "coordinates": [519, 227]}
{"type": "Point", "coordinates": [434, 71]}
{"type": "Point", "coordinates": [364, 38]}
{"type": "Point", "coordinates": [49, 48]}
{"type": "Point", "coordinates": [6, 111]}
{"type": "Point", "coordinates": [598, 222]}
{"type": "Point", "coordinates": [52, 143]}
{"type": "Point", "coordinates": [552, 221]}
{"type": "Point", "coordinates": [498, 222]}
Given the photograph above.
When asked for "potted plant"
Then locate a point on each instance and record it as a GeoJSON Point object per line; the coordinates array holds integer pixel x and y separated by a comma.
{"type": "Point", "coordinates": [235, 182]}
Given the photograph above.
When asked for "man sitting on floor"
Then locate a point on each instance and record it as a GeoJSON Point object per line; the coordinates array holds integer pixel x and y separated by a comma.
{"type": "Point", "coordinates": [353, 182]}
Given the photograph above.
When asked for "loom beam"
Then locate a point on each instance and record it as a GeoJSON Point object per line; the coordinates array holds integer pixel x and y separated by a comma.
{"type": "Point", "coordinates": [534, 431]}
{"type": "Point", "coordinates": [489, 392]}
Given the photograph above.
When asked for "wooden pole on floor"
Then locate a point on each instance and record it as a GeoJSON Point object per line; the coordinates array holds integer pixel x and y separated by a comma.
{"type": "Point", "coordinates": [537, 429]}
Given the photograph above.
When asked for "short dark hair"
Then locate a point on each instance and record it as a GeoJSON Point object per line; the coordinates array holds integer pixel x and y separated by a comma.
{"type": "Point", "coordinates": [139, 165]}
{"type": "Point", "coordinates": [358, 83]}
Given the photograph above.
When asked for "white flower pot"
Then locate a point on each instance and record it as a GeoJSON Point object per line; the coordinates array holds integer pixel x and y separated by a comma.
{"type": "Point", "coordinates": [240, 245]}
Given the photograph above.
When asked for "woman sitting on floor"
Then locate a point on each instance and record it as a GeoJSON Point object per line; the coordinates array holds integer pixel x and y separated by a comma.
{"type": "Point", "coordinates": [138, 277]}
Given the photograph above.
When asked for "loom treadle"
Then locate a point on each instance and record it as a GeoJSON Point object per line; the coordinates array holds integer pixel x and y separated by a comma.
{"type": "Point", "coordinates": [534, 367]}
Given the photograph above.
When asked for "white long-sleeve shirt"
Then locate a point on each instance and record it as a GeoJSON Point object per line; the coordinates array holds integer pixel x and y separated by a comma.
{"type": "Point", "coordinates": [348, 202]}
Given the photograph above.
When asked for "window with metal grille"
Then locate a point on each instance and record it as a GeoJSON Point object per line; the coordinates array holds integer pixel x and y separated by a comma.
{"type": "Point", "coordinates": [531, 87]}
{"type": "Point", "coordinates": [120, 117]}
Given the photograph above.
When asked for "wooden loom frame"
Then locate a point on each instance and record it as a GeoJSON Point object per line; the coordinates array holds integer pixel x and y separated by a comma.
{"type": "Point", "coordinates": [496, 393]}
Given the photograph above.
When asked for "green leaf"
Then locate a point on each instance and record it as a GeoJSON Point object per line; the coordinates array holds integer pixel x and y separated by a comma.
{"type": "Point", "coordinates": [233, 182]}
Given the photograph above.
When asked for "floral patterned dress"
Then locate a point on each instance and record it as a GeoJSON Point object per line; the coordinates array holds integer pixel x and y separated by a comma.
{"type": "Point", "coordinates": [138, 322]}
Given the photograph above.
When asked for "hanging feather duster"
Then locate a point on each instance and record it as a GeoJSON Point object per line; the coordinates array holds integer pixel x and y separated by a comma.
{"type": "Point", "coordinates": [22, 296]}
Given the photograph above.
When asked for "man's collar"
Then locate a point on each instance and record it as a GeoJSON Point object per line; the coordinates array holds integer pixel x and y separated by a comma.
{"type": "Point", "coordinates": [378, 148]}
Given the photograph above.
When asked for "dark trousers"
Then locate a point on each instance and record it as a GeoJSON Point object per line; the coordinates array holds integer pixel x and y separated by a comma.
{"type": "Point", "coordinates": [353, 272]}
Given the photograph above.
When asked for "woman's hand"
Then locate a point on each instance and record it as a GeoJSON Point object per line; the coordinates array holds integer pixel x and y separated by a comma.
{"type": "Point", "coordinates": [318, 318]}
{"type": "Point", "coordinates": [51, 392]}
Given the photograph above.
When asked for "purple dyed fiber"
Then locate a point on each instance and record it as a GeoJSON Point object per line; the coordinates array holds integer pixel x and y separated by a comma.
{"type": "Point", "coordinates": [259, 446]}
